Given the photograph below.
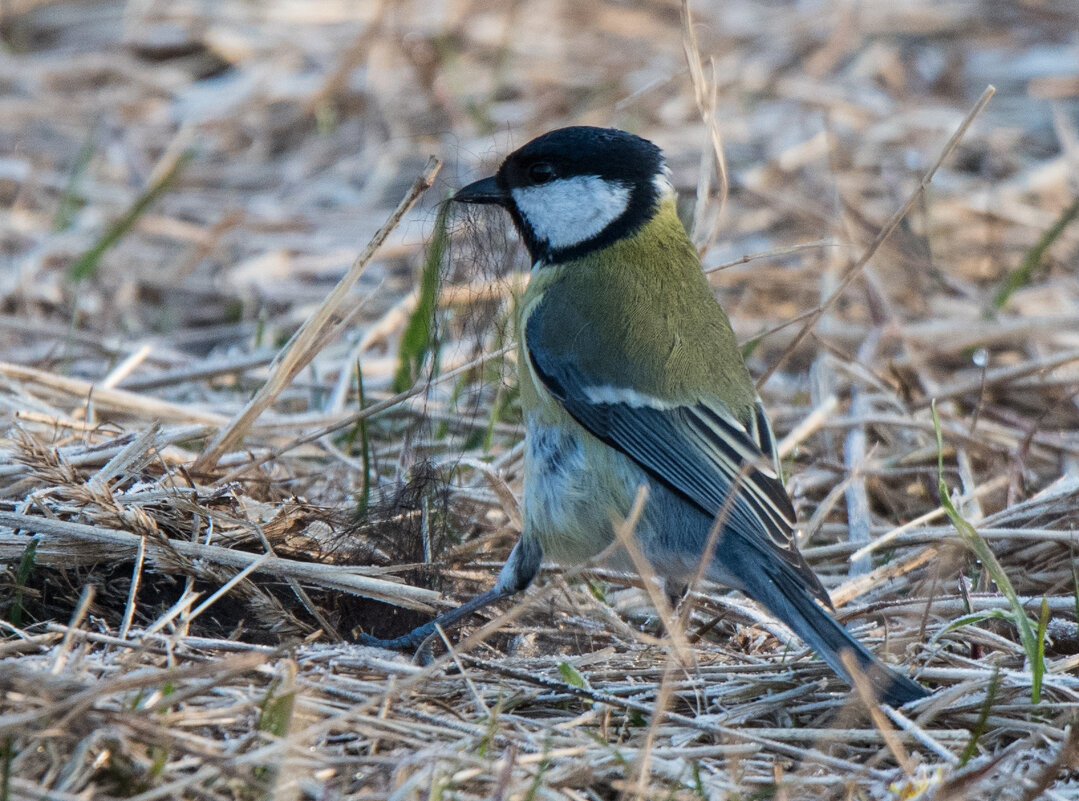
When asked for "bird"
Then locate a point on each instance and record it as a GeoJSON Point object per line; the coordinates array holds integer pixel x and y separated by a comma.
{"type": "Point", "coordinates": [630, 375]}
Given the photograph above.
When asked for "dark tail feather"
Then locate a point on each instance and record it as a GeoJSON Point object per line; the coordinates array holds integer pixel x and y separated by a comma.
{"type": "Point", "coordinates": [777, 588]}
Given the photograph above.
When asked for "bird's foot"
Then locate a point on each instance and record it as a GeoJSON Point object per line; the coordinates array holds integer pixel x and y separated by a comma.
{"type": "Point", "coordinates": [406, 642]}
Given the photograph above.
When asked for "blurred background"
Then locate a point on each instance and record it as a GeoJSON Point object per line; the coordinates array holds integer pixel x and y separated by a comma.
{"type": "Point", "coordinates": [285, 132]}
{"type": "Point", "coordinates": [183, 182]}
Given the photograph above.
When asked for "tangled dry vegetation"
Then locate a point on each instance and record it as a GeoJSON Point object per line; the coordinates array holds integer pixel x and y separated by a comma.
{"type": "Point", "coordinates": [196, 518]}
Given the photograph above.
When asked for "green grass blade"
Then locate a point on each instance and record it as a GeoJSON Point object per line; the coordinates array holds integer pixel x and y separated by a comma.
{"type": "Point", "coordinates": [419, 341]}
{"type": "Point", "coordinates": [984, 554]}
{"type": "Point", "coordinates": [70, 201]}
{"type": "Point", "coordinates": [571, 675]}
{"type": "Point", "coordinates": [1022, 275]}
{"type": "Point", "coordinates": [1038, 667]}
{"type": "Point", "coordinates": [22, 576]}
{"type": "Point", "coordinates": [980, 725]}
{"type": "Point", "coordinates": [86, 265]}
{"type": "Point", "coordinates": [275, 716]}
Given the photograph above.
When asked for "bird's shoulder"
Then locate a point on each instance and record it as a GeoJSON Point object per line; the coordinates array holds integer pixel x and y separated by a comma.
{"type": "Point", "coordinates": [643, 317]}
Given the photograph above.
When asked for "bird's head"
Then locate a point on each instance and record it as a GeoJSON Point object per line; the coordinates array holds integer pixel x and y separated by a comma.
{"type": "Point", "coordinates": [575, 190]}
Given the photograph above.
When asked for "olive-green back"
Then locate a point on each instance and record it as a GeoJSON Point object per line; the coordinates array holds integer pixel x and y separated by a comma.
{"type": "Point", "coordinates": [640, 315]}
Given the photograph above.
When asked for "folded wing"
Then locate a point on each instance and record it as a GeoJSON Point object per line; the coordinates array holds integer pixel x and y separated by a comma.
{"type": "Point", "coordinates": [698, 450]}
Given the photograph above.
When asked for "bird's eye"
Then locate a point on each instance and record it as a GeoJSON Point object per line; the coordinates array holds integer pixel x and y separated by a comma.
{"type": "Point", "coordinates": [541, 172]}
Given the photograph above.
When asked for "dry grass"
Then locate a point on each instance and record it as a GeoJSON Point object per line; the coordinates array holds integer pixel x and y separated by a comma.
{"type": "Point", "coordinates": [196, 519]}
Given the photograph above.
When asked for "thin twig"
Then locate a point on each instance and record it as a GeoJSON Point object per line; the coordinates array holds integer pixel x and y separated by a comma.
{"type": "Point", "coordinates": [305, 343]}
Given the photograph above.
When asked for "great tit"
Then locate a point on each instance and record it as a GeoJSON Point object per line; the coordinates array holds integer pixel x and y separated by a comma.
{"type": "Point", "coordinates": [630, 375]}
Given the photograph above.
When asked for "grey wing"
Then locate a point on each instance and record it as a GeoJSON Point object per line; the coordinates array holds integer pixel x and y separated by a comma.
{"type": "Point", "coordinates": [699, 451]}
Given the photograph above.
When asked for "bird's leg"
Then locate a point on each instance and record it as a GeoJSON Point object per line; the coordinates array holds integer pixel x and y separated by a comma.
{"type": "Point", "coordinates": [676, 592]}
{"type": "Point", "coordinates": [415, 638]}
{"type": "Point", "coordinates": [518, 572]}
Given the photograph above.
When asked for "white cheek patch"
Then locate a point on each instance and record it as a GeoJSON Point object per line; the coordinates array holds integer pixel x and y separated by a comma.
{"type": "Point", "coordinates": [568, 211]}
